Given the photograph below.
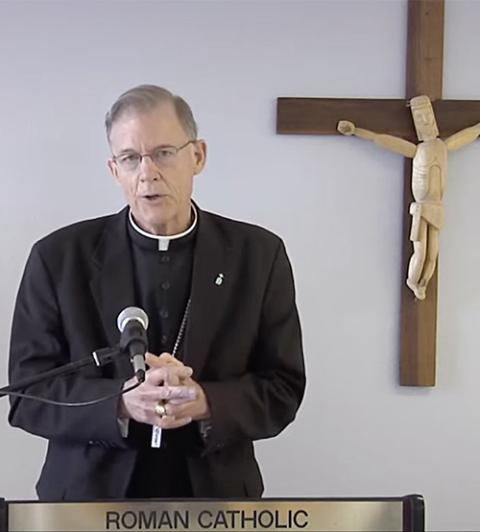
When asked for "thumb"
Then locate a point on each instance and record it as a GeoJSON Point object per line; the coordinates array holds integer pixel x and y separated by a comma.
{"type": "Point", "coordinates": [157, 376]}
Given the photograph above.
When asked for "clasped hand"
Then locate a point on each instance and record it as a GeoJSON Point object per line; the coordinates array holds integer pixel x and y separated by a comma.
{"type": "Point", "coordinates": [170, 383]}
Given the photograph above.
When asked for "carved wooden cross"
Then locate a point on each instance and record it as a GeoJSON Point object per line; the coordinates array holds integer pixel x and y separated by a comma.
{"type": "Point", "coordinates": [319, 116]}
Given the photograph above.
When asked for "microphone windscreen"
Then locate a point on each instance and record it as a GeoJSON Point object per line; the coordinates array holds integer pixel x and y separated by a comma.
{"type": "Point", "coordinates": [132, 313]}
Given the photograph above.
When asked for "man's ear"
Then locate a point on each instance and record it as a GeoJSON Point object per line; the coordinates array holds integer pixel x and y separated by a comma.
{"type": "Point", "coordinates": [113, 168]}
{"type": "Point", "coordinates": [200, 155]}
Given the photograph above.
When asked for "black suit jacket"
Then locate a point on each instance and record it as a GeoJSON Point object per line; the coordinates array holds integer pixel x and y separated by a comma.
{"type": "Point", "coordinates": [243, 342]}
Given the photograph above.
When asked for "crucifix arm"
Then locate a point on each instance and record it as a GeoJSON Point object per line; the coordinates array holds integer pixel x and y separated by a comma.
{"type": "Point", "coordinates": [389, 142]}
{"type": "Point", "coordinates": [463, 137]}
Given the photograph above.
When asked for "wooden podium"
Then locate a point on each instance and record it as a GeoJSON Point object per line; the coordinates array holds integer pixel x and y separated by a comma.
{"type": "Point", "coordinates": [399, 514]}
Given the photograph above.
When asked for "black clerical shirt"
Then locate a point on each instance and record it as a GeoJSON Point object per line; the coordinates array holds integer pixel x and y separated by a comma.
{"type": "Point", "coordinates": [162, 285]}
{"type": "Point", "coordinates": [163, 272]}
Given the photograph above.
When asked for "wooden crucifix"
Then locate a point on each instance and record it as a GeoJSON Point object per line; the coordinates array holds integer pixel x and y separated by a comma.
{"type": "Point", "coordinates": [320, 116]}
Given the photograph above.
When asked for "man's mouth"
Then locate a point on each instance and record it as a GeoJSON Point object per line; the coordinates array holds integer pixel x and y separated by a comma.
{"type": "Point", "coordinates": [152, 197]}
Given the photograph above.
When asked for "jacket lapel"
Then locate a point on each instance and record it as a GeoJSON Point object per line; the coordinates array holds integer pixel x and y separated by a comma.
{"type": "Point", "coordinates": [112, 283]}
{"type": "Point", "coordinates": [211, 286]}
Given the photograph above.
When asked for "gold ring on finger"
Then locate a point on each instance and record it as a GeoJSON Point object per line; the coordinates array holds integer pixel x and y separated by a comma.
{"type": "Point", "coordinates": [160, 409]}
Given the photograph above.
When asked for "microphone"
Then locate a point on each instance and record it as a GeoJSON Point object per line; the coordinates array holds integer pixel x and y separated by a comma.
{"type": "Point", "coordinates": [132, 323]}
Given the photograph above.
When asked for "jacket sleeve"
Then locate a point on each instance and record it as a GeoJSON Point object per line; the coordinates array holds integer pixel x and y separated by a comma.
{"type": "Point", "coordinates": [38, 344]}
{"type": "Point", "coordinates": [265, 400]}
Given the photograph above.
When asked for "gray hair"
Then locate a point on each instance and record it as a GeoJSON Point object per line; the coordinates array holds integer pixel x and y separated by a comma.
{"type": "Point", "coordinates": [146, 97]}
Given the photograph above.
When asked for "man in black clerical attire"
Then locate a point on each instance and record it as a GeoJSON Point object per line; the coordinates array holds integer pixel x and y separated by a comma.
{"type": "Point", "coordinates": [221, 302]}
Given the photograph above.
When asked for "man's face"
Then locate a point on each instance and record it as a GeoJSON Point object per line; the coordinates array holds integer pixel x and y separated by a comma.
{"type": "Point", "coordinates": [158, 194]}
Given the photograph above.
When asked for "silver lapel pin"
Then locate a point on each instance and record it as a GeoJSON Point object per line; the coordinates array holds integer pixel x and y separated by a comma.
{"type": "Point", "coordinates": [219, 279]}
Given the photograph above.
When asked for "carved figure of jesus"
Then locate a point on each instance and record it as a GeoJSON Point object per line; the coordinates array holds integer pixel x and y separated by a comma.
{"type": "Point", "coordinates": [429, 176]}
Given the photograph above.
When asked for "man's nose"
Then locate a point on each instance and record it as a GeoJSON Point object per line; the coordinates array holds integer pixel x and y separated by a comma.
{"type": "Point", "coordinates": [147, 168]}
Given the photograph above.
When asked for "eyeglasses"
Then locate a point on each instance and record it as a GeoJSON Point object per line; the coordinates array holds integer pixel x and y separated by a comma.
{"type": "Point", "coordinates": [163, 157]}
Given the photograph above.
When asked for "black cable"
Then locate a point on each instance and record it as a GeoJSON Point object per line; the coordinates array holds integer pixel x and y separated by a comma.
{"type": "Point", "coordinates": [84, 403]}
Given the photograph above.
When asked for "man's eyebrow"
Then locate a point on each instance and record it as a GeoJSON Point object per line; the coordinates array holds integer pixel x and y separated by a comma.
{"type": "Point", "coordinates": [126, 150]}
{"type": "Point", "coordinates": [155, 148]}
{"type": "Point", "coordinates": [160, 146]}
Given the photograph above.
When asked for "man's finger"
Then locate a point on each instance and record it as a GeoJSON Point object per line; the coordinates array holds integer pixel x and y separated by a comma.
{"type": "Point", "coordinates": [175, 392]}
{"type": "Point", "coordinates": [165, 359]}
{"type": "Point", "coordinates": [181, 401]}
{"type": "Point", "coordinates": [158, 376]}
{"type": "Point", "coordinates": [170, 422]}
{"type": "Point", "coordinates": [169, 359]}
{"type": "Point", "coordinates": [180, 409]}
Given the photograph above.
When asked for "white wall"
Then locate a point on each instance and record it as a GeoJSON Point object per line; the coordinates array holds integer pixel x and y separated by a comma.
{"type": "Point", "coordinates": [336, 202]}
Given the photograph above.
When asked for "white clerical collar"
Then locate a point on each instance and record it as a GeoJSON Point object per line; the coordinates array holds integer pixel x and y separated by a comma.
{"type": "Point", "coordinates": [164, 241]}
